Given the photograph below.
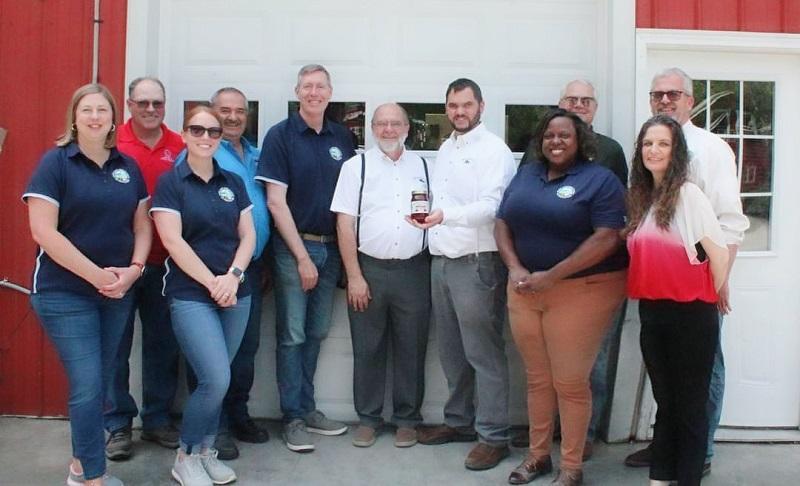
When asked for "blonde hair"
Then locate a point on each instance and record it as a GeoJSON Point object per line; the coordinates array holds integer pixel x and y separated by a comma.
{"type": "Point", "coordinates": [71, 132]}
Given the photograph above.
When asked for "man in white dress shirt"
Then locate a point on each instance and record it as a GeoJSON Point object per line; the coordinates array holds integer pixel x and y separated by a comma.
{"type": "Point", "coordinates": [388, 276]}
{"type": "Point", "coordinates": [473, 168]}
{"type": "Point", "coordinates": [713, 169]}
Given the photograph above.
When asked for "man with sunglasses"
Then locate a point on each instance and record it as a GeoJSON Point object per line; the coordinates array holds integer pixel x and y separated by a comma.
{"type": "Point", "coordinates": [154, 147]}
{"type": "Point", "coordinates": [713, 169]}
{"type": "Point", "coordinates": [578, 97]}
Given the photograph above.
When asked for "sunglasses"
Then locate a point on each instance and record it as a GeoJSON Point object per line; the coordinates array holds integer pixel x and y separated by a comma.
{"type": "Point", "coordinates": [143, 104]}
{"type": "Point", "coordinates": [199, 130]}
{"type": "Point", "coordinates": [673, 95]}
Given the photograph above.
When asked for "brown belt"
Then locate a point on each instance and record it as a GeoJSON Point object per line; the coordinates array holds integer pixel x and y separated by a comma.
{"type": "Point", "coordinates": [318, 238]}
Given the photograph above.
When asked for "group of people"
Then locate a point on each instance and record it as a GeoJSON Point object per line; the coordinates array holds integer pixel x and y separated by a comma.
{"type": "Point", "coordinates": [547, 241]}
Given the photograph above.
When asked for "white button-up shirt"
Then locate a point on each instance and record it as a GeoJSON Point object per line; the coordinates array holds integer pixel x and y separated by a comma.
{"type": "Point", "coordinates": [386, 201]}
{"type": "Point", "coordinates": [713, 169]}
{"type": "Point", "coordinates": [470, 175]}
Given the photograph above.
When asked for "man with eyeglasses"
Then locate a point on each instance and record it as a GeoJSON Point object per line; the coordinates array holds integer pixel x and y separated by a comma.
{"type": "Point", "coordinates": [578, 96]}
{"type": "Point", "coordinates": [300, 162]}
{"type": "Point", "coordinates": [388, 276]}
{"type": "Point", "coordinates": [713, 169]}
{"type": "Point", "coordinates": [147, 139]}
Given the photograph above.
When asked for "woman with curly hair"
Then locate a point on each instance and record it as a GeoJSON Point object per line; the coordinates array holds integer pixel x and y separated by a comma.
{"type": "Point", "coordinates": [678, 262]}
{"type": "Point", "coordinates": [557, 231]}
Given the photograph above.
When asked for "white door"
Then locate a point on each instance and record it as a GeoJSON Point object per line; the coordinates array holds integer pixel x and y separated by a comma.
{"type": "Point", "coordinates": [521, 53]}
{"type": "Point", "coordinates": [755, 109]}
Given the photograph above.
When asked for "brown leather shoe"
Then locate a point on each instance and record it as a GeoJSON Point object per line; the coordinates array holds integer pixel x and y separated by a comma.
{"type": "Point", "coordinates": [569, 477]}
{"type": "Point", "coordinates": [442, 434]}
{"type": "Point", "coordinates": [364, 436]}
{"type": "Point", "coordinates": [530, 469]}
{"type": "Point", "coordinates": [483, 456]}
{"type": "Point", "coordinates": [405, 437]}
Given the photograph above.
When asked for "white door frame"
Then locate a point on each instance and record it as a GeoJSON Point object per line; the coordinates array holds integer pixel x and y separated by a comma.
{"type": "Point", "coordinates": [648, 40]}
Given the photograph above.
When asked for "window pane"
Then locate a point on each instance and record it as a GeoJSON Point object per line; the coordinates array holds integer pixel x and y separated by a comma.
{"type": "Point", "coordinates": [699, 110]}
{"type": "Point", "coordinates": [250, 132]}
{"type": "Point", "coordinates": [758, 107]}
{"type": "Point", "coordinates": [521, 122]}
{"type": "Point", "coordinates": [756, 165]}
{"type": "Point", "coordinates": [724, 101]}
{"type": "Point", "coordinates": [348, 113]}
{"type": "Point", "coordinates": [734, 145]}
{"type": "Point", "coordinates": [429, 125]}
{"type": "Point", "coordinates": [758, 210]}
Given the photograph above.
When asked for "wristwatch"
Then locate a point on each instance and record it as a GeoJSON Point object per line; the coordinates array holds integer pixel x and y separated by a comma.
{"type": "Point", "coordinates": [237, 272]}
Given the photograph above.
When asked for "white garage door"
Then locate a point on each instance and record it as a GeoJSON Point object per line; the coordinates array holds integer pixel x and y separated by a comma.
{"type": "Point", "coordinates": [521, 53]}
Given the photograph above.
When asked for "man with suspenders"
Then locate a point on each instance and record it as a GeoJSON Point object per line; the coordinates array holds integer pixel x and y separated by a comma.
{"type": "Point", "coordinates": [388, 276]}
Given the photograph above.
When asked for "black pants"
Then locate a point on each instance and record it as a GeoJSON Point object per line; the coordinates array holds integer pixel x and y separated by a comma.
{"type": "Point", "coordinates": [398, 312]}
{"type": "Point", "coordinates": [678, 341]}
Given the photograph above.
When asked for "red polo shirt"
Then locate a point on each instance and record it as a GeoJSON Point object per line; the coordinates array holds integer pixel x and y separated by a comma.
{"type": "Point", "coordinates": [152, 163]}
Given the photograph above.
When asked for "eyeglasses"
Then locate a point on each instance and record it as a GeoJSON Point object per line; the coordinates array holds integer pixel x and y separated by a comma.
{"type": "Point", "coordinates": [673, 95]}
{"type": "Point", "coordinates": [143, 104]}
{"type": "Point", "coordinates": [578, 100]}
{"type": "Point", "coordinates": [199, 130]}
{"type": "Point", "coordinates": [384, 124]}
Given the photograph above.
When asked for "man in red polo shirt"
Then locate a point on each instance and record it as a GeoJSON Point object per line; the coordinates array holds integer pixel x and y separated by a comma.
{"type": "Point", "coordinates": [154, 147]}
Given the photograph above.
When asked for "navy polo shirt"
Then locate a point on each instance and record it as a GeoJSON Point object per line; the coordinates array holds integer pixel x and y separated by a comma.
{"type": "Point", "coordinates": [550, 219]}
{"type": "Point", "coordinates": [95, 212]}
{"type": "Point", "coordinates": [308, 164]}
{"type": "Point", "coordinates": [209, 213]}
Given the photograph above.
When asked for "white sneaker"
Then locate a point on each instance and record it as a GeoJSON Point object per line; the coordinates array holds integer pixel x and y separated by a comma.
{"type": "Point", "coordinates": [219, 472]}
{"type": "Point", "coordinates": [189, 471]}
{"type": "Point", "coordinates": [75, 479]}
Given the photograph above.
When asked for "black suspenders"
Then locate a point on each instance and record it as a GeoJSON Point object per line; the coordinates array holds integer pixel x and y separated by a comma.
{"type": "Point", "coordinates": [361, 194]}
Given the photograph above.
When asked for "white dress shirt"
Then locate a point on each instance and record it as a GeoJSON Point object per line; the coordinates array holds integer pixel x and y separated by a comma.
{"type": "Point", "coordinates": [713, 169]}
{"type": "Point", "coordinates": [386, 201]}
{"type": "Point", "coordinates": [470, 175]}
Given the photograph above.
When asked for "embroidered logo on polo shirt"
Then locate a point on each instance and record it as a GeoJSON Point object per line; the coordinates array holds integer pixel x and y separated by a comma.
{"type": "Point", "coordinates": [121, 176]}
{"type": "Point", "coordinates": [565, 192]}
{"type": "Point", "coordinates": [336, 153]}
{"type": "Point", "coordinates": [226, 194]}
{"type": "Point", "coordinates": [167, 156]}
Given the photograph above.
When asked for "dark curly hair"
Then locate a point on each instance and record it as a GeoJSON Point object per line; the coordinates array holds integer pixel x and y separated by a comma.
{"type": "Point", "coordinates": [587, 142]}
{"type": "Point", "coordinates": [643, 194]}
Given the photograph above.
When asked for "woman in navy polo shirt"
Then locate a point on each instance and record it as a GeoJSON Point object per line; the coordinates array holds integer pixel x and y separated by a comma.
{"type": "Point", "coordinates": [679, 260]}
{"type": "Point", "coordinates": [203, 216]}
{"type": "Point", "coordinates": [557, 231]}
{"type": "Point", "coordinates": [88, 214]}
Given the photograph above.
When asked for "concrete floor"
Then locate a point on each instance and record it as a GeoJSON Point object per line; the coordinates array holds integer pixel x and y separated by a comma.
{"type": "Point", "coordinates": [35, 452]}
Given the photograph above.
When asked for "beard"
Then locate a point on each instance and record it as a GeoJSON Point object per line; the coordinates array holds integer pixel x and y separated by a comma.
{"type": "Point", "coordinates": [392, 145]}
{"type": "Point", "coordinates": [471, 123]}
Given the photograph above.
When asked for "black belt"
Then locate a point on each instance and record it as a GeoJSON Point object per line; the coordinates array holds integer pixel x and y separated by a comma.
{"type": "Point", "coordinates": [318, 238]}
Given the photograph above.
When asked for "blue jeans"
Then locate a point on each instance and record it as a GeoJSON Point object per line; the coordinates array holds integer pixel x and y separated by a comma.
{"type": "Point", "coordinates": [605, 367]}
{"type": "Point", "coordinates": [716, 390]}
{"type": "Point", "coordinates": [209, 337]}
{"type": "Point", "coordinates": [86, 332]}
{"type": "Point", "coordinates": [303, 320]}
{"type": "Point", "coordinates": [159, 359]}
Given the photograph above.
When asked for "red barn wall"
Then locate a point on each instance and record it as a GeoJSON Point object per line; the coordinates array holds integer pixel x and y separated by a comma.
{"type": "Point", "coordinates": [45, 54]}
{"type": "Point", "coordinates": [780, 16]}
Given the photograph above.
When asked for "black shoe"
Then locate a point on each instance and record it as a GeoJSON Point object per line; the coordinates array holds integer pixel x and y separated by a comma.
{"type": "Point", "coordinates": [119, 445]}
{"type": "Point", "coordinates": [641, 458]}
{"type": "Point", "coordinates": [249, 431]}
{"type": "Point", "coordinates": [706, 469]}
{"type": "Point", "coordinates": [226, 448]}
{"type": "Point", "coordinates": [167, 436]}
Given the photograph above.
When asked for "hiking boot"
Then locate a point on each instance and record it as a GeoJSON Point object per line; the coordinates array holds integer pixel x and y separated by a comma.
{"type": "Point", "coordinates": [119, 445]}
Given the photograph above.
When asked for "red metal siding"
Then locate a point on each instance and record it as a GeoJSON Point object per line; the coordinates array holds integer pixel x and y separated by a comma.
{"type": "Point", "coordinates": [46, 52]}
{"type": "Point", "coordinates": [735, 15]}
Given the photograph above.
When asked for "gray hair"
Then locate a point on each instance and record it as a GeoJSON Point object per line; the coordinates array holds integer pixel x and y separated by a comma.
{"type": "Point", "coordinates": [584, 82]}
{"type": "Point", "coordinates": [228, 89]}
{"type": "Point", "coordinates": [312, 68]}
{"type": "Point", "coordinates": [674, 71]}
{"type": "Point", "coordinates": [402, 110]}
{"type": "Point", "coordinates": [138, 80]}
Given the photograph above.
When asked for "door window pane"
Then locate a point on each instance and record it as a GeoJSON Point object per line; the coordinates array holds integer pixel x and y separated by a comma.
{"type": "Point", "coordinates": [757, 209]}
{"type": "Point", "coordinates": [348, 113]}
{"type": "Point", "coordinates": [429, 126]}
{"type": "Point", "coordinates": [724, 101]}
{"type": "Point", "coordinates": [521, 123]}
{"type": "Point", "coordinates": [757, 165]}
{"type": "Point", "coordinates": [758, 107]}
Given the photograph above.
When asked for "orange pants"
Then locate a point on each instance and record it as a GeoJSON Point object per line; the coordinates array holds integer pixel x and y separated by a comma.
{"type": "Point", "coordinates": [558, 332]}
